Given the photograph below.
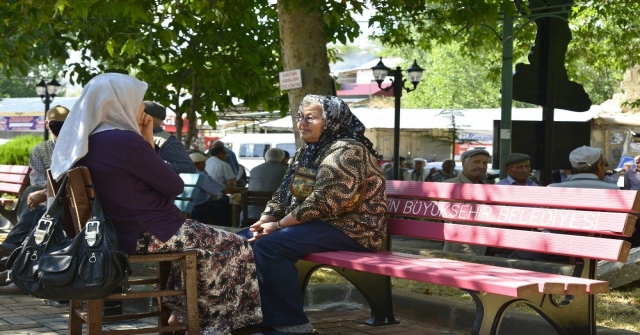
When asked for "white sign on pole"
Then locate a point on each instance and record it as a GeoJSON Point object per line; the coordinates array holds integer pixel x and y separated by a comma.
{"type": "Point", "coordinates": [290, 79]}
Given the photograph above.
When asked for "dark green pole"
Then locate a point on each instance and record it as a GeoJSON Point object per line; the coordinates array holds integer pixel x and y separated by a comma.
{"type": "Point", "coordinates": [507, 90]}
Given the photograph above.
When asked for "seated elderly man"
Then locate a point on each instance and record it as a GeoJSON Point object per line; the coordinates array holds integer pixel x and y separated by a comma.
{"type": "Point", "coordinates": [447, 172]}
{"type": "Point", "coordinates": [588, 168]}
{"type": "Point", "coordinates": [474, 167]}
{"type": "Point", "coordinates": [518, 168]}
{"type": "Point", "coordinates": [418, 173]}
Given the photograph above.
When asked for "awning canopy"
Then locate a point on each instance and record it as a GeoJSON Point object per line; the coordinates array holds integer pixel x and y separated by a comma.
{"type": "Point", "coordinates": [362, 90]}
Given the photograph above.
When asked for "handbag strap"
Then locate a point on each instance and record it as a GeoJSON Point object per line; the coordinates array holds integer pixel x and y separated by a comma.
{"type": "Point", "coordinates": [93, 225]}
{"type": "Point", "coordinates": [48, 219]}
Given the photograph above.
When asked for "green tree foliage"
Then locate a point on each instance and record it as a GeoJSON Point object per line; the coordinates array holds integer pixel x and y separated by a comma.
{"type": "Point", "coordinates": [604, 33]}
{"type": "Point", "coordinates": [452, 80]}
{"type": "Point", "coordinates": [16, 151]}
{"type": "Point", "coordinates": [24, 87]}
{"type": "Point", "coordinates": [198, 55]}
{"type": "Point", "coordinates": [18, 87]}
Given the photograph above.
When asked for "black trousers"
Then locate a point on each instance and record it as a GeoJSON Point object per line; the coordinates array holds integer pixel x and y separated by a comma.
{"type": "Point", "coordinates": [27, 219]}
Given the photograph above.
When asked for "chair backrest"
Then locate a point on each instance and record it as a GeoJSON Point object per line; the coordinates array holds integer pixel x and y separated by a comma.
{"type": "Point", "coordinates": [78, 198]}
{"type": "Point", "coordinates": [80, 194]}
{"type": "Point", "coordinates": [253, 198]}
{"type": "Point", "coordinates": [192, 183]}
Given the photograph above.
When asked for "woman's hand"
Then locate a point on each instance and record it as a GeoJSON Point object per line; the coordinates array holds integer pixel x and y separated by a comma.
{"type": "Point", "coordinates": [145, 122]}
{"type": "Point", "coordinates": [262, 228]}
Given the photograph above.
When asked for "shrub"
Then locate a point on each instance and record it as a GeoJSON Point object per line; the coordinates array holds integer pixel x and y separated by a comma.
{"type": "Point", "coordinates": [16, 151]}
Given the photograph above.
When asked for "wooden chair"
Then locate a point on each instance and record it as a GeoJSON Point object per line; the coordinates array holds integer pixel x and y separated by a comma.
{"type": "Point", "coordinates": [253, 198]}
{"type": "Point", "coordinates": [79, 198]}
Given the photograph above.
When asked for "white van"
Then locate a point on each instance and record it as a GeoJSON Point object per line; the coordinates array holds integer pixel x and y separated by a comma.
{"type": "Point", "coordinates": [250, 148]}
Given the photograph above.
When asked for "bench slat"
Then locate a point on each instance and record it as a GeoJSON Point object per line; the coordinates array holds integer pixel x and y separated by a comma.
{"type": "Point", "coordinates": [14, 169]}
{"type": "Point", "coordinates": [11, 188]}
{"type": "Point", "coordinates": [430, 272]}
{"type": "Point", "coordinates": [605, 223]}
{"type": "Point", "coordinates": [12, 178]}
{"type": "Point", "coordinates": [589, 199]}
{"type": "Point", "coordinates": [548, 282]}
{"type": "Point", "coordinates": [569, 245]}
{"type": "Point", "coordinates": [480, 277]}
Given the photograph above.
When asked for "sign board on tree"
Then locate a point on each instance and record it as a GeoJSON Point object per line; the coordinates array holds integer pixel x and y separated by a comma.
{"type": "Point", "coordinates": [290, 79]}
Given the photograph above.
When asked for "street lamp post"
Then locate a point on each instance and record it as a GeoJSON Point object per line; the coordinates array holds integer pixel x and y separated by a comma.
{"type": "Point", "coordinates": [380, 72]}
{"type": "Point", "coordinates": [47, 92]}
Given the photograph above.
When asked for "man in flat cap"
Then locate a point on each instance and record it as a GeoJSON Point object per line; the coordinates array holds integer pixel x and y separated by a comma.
{"type": "Point", "coordinates": [474, 168]}
{"type": "Point", "coordinates": [518, 168]}
{"type": "Point", "coordinates": [167, 145]}
{"type": "Point", "coordinates": [403, 173]}
{"type": "Point", "coordinates": [588, 168]}
{"type": "Point", "coordinates": [418, 173]}
{"type": "Point", "coordinates": [447, 172]}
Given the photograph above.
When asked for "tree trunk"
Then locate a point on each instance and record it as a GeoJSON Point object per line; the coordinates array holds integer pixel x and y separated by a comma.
{"type": "Point", "coordinates": [303, 47]}
{"type": "Point", "coordinates": [192, 129]}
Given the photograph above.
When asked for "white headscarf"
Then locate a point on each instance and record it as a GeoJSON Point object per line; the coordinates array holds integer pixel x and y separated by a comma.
{"type": "Point", "coordinates": [108, 101]}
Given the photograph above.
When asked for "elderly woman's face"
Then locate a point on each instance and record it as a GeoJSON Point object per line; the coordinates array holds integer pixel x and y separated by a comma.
{"type": "Point", "coordinates": [310, 123]}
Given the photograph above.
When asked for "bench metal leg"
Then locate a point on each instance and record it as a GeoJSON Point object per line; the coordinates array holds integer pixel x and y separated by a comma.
{"type": "Point", "coordinates": [376, 289]}
{"type": "Point", "coordinates": [572, 316]}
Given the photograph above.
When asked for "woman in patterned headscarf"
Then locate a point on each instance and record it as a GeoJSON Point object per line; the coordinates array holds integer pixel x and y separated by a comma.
{"type": "Point", "coordinates": [343, 209]}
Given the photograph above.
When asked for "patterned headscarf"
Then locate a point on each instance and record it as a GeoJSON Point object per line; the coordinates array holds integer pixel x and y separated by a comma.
{"type": "Point", "coordinates": [340, 123]}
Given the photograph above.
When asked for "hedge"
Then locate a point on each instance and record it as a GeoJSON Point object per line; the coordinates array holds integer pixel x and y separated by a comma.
{"type": "Point", "coordinates": [16, 151]}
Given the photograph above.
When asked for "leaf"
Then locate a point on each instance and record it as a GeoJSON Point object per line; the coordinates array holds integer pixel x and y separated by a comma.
{"type": "Point", "coordinates": [109, 46]}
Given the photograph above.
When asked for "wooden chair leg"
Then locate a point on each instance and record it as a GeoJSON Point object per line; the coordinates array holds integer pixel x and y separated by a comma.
{"type": "Point", "coordinates": [163, 272]}
{"type": "Point", "coordinates": [94, 324]}
{"type": "Point", "coordinates": [191, 286]}
{"type": "Point", "coordinates": [75, 322]}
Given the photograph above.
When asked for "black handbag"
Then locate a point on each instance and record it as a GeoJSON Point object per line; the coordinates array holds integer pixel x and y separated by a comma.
{"type": "Point", "coordinates": [50, 265]}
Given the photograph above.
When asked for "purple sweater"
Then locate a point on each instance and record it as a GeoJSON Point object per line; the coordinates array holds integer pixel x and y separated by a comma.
{"type": "Point", "coordinates": [135, 186]}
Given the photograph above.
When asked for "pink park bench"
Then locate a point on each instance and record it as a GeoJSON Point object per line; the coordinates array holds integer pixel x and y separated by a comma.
{"type": "Point", "coordinates": [584, 224]}
{"type": "Point", "coordinates": [13, 180]}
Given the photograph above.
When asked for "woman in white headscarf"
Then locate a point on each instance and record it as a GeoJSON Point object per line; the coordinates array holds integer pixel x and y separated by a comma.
{"type": "Point", "coordinates": [108, 132]}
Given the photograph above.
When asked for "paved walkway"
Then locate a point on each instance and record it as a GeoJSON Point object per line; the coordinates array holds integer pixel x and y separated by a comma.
{"type": "Point", "coordinates": [26, 315]}
{"type": "Point", "coordinates": [331, 314]}
{"type": "Point", "coordinates": [22, 315]}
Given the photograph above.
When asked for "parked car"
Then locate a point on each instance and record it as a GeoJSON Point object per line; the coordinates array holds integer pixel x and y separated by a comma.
{"type": "Point", "coordinates": [250, 148]}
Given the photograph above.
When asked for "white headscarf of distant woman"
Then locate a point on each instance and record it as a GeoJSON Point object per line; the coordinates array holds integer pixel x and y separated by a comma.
{"type": "Point", "coordinates": [108, 101]}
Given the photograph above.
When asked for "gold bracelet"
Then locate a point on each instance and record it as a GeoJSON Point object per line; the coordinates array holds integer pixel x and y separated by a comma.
{"type": "Point", "coordinates": [278, 224]}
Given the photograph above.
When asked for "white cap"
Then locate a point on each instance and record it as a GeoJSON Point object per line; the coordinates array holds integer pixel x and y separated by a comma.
{"type": "Point", "coordinates": [418, 159]}
{"type": "Point", "coordinates": [197, 157]}
{"type": "Point", "coordinates": [584, 156]}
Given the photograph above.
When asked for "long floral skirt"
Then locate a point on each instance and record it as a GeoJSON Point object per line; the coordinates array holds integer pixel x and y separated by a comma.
{"type": "Point", "coordinates": [228, 294]}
